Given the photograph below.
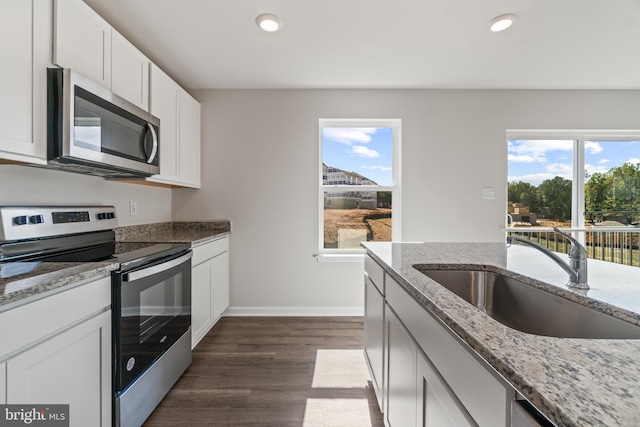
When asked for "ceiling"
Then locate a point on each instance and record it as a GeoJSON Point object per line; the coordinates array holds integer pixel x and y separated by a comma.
{"type": "Point", "coordinates": [554, 44]}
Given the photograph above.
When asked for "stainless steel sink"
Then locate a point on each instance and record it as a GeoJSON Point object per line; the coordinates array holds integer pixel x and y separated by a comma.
{"type": "Point", "coordinates": [529, 309]}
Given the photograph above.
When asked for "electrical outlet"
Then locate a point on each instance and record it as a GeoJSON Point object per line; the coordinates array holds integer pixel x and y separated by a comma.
{"type": "Point", "coordinates": [133, 208]}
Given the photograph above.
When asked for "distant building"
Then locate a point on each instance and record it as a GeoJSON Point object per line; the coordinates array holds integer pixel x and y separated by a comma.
{"type": "Point", "coordinates": [347, 199]}
{"type": "Point", "coordinates": [521, 215]}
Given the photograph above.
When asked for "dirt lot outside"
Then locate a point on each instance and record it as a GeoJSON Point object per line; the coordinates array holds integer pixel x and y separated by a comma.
{"type": "Point", "coordinates": [336, 219]}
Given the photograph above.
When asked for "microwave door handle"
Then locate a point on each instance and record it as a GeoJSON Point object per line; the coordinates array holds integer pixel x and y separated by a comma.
{"type": "Point", "coordinates": [150, 271]}
{"type": "Point", "coordinates": [154, 136]}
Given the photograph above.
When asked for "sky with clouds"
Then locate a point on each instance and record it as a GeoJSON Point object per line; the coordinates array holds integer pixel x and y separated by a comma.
{"type": "Point", "coordinates": [367, 151]}
{"type": "Point", "coordinates": [534, 161]}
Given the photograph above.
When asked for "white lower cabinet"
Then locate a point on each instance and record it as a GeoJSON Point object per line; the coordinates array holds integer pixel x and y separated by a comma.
{"type": "Point", "coordinates": [209, 286]}
{"type": "Point", "coordinates": [437, 405]}
{"type": "Point", "coordinates": [400, 410]}
{"type": "Point", "coordinates": [68, 369]}
{"type": "Point", "coordinates": [431, 377]}
{"type": "Point", "coordinates": [374, 337]}
{"type": "Point", "coordinates": [58, 351]}
{"type": "Point", "coordinates": [3, 383]}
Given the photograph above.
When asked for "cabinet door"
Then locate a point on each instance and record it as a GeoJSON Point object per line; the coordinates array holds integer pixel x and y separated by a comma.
{"type": "Point", "coordinates": [24, 46]}
{"type": "Point", "coordinates": [129, 71]}
{"type": "Point", "coordinates": [82, 41]}
{"type": "Point", "coordinates": [72, 368]}
{"type": "Point", "coordinates": [401, 374]}
{"type": "Point", "coordinates": [3, 383]}
{"type": "Point", "coordinates": [189, 140]}
{"type": "Point", "coordinates": [220, 284]}
{"type": "Point", "coordinates": [201, 301]}
{"type": "Point", "coordinates": [437, 406]}
{"type": "Point", "coordinates": [374, 337]}
{"type": "Point", "coordinates": [164, 105]}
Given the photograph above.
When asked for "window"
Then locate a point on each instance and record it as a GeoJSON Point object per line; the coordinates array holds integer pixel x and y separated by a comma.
{"type": "Point", "coordinates": [588, 181]}
{"type": "Point", "coordinates": [359, 183]}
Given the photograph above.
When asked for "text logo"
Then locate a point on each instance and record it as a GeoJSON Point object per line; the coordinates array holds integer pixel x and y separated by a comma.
{"type": "Point", "coordinates": [34, 415]}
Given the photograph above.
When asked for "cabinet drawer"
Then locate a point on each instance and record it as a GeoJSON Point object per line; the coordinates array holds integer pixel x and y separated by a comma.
{"type": "Point", "coordinates": [375, 272]}
{"type": "Point", "coordinates": [37, 320]}
{"type": "Point", "coordinates": [485, 398]}
{"type": "Point", "coordinates": [209, 250]}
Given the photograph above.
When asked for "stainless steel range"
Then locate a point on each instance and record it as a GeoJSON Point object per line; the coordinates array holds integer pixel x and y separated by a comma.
{"type": "Point", "coordinates": [151, 302]}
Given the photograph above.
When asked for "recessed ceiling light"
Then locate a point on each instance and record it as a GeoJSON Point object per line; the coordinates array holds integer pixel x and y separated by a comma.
{"type": "Point", "coordinates": [269, 22]}
{"type": "Point", "coordinates": [502, 22]}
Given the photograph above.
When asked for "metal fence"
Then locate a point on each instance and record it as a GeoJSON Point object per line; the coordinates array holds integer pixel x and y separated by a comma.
{"type": "Point", "coordinates": [615, 244]}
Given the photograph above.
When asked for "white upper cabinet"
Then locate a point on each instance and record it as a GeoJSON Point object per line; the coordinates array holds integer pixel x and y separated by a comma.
{"type": "Point", "coordinates": [129, 71]}
{"type": "Point", "coordinates": [189, 140]}
{"type": "Point", "coordinates": [82, 41]}
{"type": "Point", "coordinates": [85, 42]}
{"type": "Point", "coordinates": [25, 39]}
{"type": "Point", "coordinates": [179, 115]}
{"type": "Point", "coordinates": [164, 105]}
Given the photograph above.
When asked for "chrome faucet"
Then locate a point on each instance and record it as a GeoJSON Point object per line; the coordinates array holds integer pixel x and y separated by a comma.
{"type": "Point", "coordinates": [577, 256]}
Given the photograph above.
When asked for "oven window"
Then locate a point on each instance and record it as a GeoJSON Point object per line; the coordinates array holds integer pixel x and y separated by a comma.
{"type": "Point", "coordinates": [158, 305]}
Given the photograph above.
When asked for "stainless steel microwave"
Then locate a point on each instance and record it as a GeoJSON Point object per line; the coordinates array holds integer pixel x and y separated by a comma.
{"type": "Point", "coordinates": [92, 131]}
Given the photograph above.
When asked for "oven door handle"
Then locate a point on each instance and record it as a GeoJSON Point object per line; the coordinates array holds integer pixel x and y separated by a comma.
{"type": "Point", "coordinates": [159, 268]}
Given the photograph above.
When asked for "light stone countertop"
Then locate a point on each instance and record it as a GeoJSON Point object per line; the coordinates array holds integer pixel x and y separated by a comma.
{"type": "Point", "coordinates": [574, 382]}
{"type": "Point", "coordinates": [21, 282]}
{"type": "Point", "coordinates": [195, 233]}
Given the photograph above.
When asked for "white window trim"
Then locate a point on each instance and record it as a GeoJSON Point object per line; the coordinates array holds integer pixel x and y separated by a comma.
{"type": "Point", "coordinates": [579, 137]}
{"type": "Point", "coordinates": [356, 255]}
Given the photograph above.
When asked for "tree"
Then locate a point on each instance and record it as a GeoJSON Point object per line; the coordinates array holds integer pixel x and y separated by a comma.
{"type": "Point", "coordinates": [626, 186]}
{"type": "Point", "coordinates": [556, 197]}
{"type": "Point", "coordinates": [525, 193]}
{"type": "Point", "coordinates": [598, 192]}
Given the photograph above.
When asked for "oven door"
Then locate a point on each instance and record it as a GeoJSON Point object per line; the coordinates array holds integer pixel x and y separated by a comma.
{"type": "Point", "coordinates": [152, 310]}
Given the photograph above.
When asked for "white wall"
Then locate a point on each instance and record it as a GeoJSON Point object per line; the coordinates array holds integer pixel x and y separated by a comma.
{"type": "Point", "coordinates": [260, 169]}
{"type": "Point", "coordinates": [22, 185]}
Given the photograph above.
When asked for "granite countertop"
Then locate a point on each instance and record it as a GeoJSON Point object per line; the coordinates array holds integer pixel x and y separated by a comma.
{"type": "Point", "coordinates": [574, 382]}
{"type": "Point", "coordinates": [21, 282]}
{"type": "Point", "coordinates": [195, 233]}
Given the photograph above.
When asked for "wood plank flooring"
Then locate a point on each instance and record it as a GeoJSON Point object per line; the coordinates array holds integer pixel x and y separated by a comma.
{"type": "Point", "coordinates": [262, 372]}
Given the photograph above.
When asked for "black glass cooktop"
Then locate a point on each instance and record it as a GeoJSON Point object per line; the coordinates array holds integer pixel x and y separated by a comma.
{"type": "Point", "coordinates": [89, 247]}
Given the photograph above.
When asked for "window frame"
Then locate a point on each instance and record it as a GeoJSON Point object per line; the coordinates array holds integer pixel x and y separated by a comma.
{"type": "Point", "coordinates": [579, 137]}
{"type": "Point", "coordinates": [336, 254]}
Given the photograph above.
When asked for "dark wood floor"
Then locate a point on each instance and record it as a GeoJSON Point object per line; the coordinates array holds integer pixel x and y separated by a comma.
{"type": "Point", "coordinates": [259, 372]}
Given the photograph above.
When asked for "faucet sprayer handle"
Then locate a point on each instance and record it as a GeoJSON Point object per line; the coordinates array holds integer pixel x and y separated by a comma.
{"type": "Point", "coordinates": [576, 246]}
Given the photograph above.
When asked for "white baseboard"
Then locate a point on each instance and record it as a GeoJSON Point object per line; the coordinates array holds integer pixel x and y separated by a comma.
{"type": "Point", "coordinates": [293, 311]}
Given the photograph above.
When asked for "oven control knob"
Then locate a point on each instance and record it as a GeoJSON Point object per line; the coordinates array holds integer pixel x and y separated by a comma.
{"type": "Point", "coordinates": [36, 219]}
{"type": "Point", "coordinates": [21, 220]}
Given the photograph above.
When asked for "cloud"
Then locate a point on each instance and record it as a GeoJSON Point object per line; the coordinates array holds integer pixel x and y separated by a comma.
{"type": "Point", "coordinates": [560, 169]}
{"type": "Point", "coordinates": [550, 171]}
{"type": "Point", "coordinates": [592, 147]}
{"type": "Point", "coordinates": [591, 169]}
{"type": "Point", "coordinates": [362, 151]}
{"type": "Point", "coordinates": [525, 158]}
{"type": "Point", "coordinates": [530, 151]}
{"type": "Point", "coordinates": [533, 178]}
{"type": "Point", "coordinates": [378, 167]}
{"type": "Point", "coordinates": [348, 136]}
{"type": "Point", "coordinates": [603, 161]}
{"type": "Point", "coordinates": [633, 160]}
